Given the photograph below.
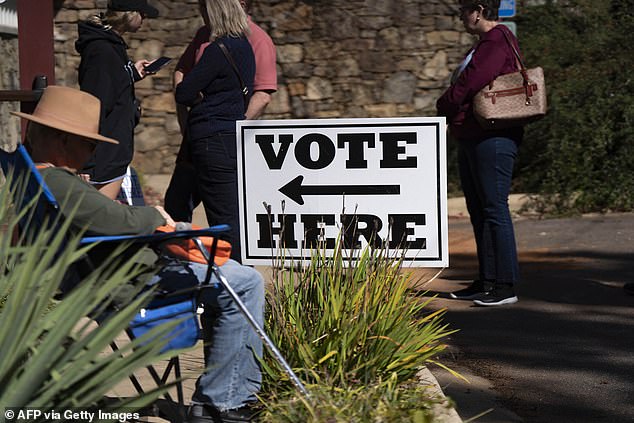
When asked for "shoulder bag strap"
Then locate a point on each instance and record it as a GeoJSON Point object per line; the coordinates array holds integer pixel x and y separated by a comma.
{"type": "Point", "coordinates": [520, 62]}
{"type": "Point", "coordinates": [522, 70]}
{"type": "Point", "coordinates": [245, 89]}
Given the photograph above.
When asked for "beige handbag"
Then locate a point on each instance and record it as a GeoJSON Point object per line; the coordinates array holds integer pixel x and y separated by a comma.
{"type": "Point", "coordinates": [513, 99]}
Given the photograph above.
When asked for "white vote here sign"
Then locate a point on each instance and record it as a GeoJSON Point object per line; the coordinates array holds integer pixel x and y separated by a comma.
{"type": "Point", "coordinates": [370, 180]}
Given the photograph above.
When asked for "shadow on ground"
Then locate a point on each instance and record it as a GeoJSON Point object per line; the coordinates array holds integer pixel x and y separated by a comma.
{"type": "Point", "coordinates": [564, 353]}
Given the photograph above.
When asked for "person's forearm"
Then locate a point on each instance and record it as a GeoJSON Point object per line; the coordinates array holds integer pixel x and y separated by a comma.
{"type": "Point", "coordinates": [257, 104]}
{"type": "Point", "coordinates": [181, 111]}
{"type": "Point", "coordinates": [178, 78]}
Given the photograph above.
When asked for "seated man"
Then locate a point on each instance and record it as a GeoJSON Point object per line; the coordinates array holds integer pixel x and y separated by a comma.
{"type": "Point", "coordinates": [62, 135]}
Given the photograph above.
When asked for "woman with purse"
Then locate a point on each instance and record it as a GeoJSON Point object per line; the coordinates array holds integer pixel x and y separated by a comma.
{"type": "Point", "coordinates": [214, 91]}
{"type": "Point", "coordinates": [485, 156]}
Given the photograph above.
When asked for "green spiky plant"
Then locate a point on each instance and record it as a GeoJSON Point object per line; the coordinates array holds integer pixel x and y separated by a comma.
{"type": "Point", "coordinates": [53, 357]}
{"type": "Point", "coordinates": [345, 323]}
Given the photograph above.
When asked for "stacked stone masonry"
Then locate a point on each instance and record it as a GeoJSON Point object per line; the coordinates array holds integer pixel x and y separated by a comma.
{"type": "Point", "coordinates": [336, 59]}
{"type": "Point", "coordinates": [9, 80]}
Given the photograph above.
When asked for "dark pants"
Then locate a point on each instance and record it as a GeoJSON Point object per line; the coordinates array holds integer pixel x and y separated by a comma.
{"type": "Point", "coordinates": [181, 197]}
{"type": "Point", "coordinates": [212, 180]}
{"type": "Point", "coordinates": [486, 168]}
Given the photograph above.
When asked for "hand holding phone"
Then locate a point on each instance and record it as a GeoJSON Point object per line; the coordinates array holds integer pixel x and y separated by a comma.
{"type": "Point", "coordinates": [156, 65]}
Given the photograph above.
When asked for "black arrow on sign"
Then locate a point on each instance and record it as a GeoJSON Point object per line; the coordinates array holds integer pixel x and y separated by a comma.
{"type": "Point", "coordinates": [295, 190]}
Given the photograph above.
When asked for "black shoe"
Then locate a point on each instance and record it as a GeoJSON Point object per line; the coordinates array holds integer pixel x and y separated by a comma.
{"type": "Point", "coordinates": [237, 415]}
{"type": "Point", "coordinates": [476, 290]}
{"type": "Point", "coordinates": [497, 296]}
{"type": "Point", "coordinates": [199, 413]}
{"type": "Point", "coordinates": [629, 288]}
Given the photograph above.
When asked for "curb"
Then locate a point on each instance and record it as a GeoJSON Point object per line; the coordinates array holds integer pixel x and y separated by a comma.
{"type": "Point", "coordinates": [444, 412]}
{"type": "Point", "coordinates": [457, 208]}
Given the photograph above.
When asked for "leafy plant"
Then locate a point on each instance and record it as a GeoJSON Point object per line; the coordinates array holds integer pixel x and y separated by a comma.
{"type": "Point", "coordinates": [52, 355]}
{"type": "Point", "coordinates": [345, 324]}
{"type": "Point", "coordinates": [579, 157]}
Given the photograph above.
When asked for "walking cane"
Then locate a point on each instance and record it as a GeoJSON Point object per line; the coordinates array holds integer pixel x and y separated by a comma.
{"type": "Point", "coordinates": [213, 268]}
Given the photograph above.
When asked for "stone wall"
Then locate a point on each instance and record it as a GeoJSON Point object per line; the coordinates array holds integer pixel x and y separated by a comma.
{"type": "Point", "coordinates": [336, 58]}
{"type": "Point", "coordinates": [9, 81]}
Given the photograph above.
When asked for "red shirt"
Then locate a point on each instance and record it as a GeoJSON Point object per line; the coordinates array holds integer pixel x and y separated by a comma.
{"type": "Point", "coordinates": [492, 57]}
{"type": "Point", "coordinates": [263, 49]}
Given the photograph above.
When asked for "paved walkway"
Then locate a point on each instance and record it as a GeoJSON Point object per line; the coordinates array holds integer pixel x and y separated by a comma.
{"type": "Point", "coordinates": [564, 353]}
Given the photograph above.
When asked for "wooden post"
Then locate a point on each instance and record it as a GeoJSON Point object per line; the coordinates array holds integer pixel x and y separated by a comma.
{"type": "Point", "coordinates": [35, 44]}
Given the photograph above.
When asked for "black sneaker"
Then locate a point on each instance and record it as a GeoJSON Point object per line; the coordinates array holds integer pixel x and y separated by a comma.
{"type": "Point", "coordinates": [474, 291]}
{"type": "Point", "coordinates": [199, 413]}
{"type": "Point", "coordinates": [497, 296]}
{"type": "Point", "coordinates": [629, 288]}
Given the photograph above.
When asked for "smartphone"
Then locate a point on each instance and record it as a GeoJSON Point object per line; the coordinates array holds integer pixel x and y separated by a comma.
{"type": "Point", "coordinates": [156, 65]}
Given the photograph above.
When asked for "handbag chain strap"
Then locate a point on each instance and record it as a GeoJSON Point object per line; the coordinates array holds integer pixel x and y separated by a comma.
{"type": "Point", "coordinates": [243, 86]}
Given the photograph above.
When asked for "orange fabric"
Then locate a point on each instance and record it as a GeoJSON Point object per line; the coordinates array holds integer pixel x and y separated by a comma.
{"type": "Point", "coordinates": [186, 248]}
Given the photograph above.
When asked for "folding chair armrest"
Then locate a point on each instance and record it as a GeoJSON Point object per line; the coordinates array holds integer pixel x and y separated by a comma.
{"type": "Point", "coordinates": [157, 238]}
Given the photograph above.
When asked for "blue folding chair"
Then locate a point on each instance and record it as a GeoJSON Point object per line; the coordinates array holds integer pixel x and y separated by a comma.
{"type": "Point", "coordinates": [46, 212]}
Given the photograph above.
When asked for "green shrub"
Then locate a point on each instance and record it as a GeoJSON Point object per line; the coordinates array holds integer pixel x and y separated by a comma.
{"type": "Point", "coordinates": [579, 158]}
{"type": "Point", "coordinates": [345, 324]}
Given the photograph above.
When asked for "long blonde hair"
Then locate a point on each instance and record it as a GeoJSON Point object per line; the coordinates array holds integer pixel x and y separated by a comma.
{"type": "Point", "coordinates": [224, 17]}
{"type": "Point", "coordinates": [111, 19]}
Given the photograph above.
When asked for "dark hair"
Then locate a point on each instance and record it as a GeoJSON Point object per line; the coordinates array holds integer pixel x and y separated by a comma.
{"type": "Point", "coordinates": [490, 7]}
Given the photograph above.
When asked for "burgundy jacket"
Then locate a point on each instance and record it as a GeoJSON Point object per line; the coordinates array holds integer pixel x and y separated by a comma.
{"type": "Point", "coordinates": [492, 57]}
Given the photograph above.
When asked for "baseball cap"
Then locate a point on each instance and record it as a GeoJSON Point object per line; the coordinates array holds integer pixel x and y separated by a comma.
{"type": "Point", "coordinates": [140, 6]}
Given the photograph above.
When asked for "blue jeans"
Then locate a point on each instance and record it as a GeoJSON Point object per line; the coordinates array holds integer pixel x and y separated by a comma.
{"type": "Point", "coordinates": [486, 168]}
{"type": "Point", "coordinates": [215, 162]}
{"type": "Point", "coordinates": [232, 376]}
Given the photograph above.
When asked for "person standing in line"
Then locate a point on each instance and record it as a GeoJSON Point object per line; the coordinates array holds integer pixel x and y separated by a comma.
{"type": "Point", "coordinates": [181, 197]}
{"type": "Point", "coordinates": [213, 91]}
{"type": "Point", "coordinates": [106, 72]}
{"type": "Point", "coordinates": [485, 157]}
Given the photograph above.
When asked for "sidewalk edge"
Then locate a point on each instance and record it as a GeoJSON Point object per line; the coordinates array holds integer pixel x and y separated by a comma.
{"type": "Point", "coordinates": [444, 410]}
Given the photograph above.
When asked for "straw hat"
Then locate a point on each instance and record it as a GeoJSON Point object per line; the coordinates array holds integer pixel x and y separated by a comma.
{"type": "Point", "coordinates": [68, 110]}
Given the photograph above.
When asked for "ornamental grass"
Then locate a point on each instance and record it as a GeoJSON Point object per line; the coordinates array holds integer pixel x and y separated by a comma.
{"type": "Point", "coordinates": [352, 331]}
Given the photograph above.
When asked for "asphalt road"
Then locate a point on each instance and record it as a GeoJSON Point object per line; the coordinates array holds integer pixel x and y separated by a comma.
{"type": "Point", "coordinates": [565, 352]}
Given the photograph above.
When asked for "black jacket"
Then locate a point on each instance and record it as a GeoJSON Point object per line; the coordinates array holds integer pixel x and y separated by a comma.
{"type": "Point", "coordinates": [107, 73]}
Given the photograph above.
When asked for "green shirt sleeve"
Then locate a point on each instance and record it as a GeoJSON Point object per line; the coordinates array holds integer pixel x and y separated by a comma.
{"type": "Point", "coordinates": [96, 212]}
